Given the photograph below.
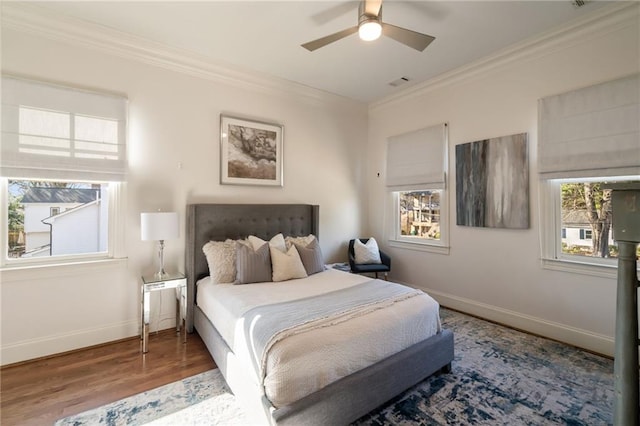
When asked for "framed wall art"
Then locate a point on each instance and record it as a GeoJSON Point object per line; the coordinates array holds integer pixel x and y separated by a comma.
{"type": "Point", "coordinates": [492, 183]}
{"type": "Point", "coordinates": [250, 152]}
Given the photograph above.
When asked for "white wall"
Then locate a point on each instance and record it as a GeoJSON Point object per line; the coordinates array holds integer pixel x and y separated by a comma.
{"type": "Point", "coordinates": [497, 273]}
{"type": "Point", "coordinates": [33, 215]}
{"type": "Point", "coordinates": [173, 160]}
{"type": "Point", "coordinates": [77, 231]}
{"type": "Point", "coordinates": [35, 212]}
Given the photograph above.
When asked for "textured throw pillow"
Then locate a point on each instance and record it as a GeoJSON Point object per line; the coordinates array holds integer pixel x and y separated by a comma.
{"type": "Point", "coordinates": [366, 253]}
{"type": "Point", "coordinates": [277, 241]}
{"type": "Point", "coordinates": [253, 266]}
{"type": "Point", "coordinates": [301, 241]}
{"type": "Point", "coordinates": [221, 258]}
{"type": "Point", "coordinates": [286, 265]}
{"type": "Point", "coordinates": [311, 256]}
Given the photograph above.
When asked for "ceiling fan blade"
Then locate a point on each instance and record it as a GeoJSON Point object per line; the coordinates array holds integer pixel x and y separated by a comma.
{"type": "Point", "coordinates": [372, 7]}
{"type": "Point", "coordinates": [407, 37]}
{"type": "Point", "coordinates": [321, 42]}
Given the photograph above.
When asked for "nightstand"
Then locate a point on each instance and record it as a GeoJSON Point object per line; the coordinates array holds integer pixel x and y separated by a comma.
{"type": "Point", "coordinates": [154, 283]}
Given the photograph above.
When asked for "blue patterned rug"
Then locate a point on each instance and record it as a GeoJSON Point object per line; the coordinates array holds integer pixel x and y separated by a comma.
{"type": "Point", "coordinates": [499, 377]}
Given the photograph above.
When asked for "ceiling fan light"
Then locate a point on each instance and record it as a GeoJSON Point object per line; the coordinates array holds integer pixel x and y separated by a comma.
{"type": "Point", "coordinates": [370, 30]}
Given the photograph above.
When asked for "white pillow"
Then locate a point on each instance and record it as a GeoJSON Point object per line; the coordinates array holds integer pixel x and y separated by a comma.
{"type": "Point", "coordinates": [286, 265]}
{"type": "Point", "coordinates": [366, 253]}
{"type": "Point", "coordinates": [301, 241]}
{"type": "Point", "coordinates": [277, 242]}
{"type": "Point", "coordinates": [221, 258]}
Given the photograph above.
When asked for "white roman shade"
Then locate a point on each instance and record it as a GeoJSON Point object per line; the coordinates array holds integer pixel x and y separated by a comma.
{"type": "Point", "coordinates": [56, 132]}
{"type": "Point", "coordinates": [417, 160]}
{"type": "Point", "coordinates": [591, 132]}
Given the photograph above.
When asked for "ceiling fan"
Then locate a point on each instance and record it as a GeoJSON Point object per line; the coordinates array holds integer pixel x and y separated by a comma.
{"type": "Point", "coordinates": [370, 27]}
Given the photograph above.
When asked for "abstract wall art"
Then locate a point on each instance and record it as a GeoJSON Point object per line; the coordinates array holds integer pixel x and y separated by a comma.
{"type": "Point", "coordinates": [492, 183]}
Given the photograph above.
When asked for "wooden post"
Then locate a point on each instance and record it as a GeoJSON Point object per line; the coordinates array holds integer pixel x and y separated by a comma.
{"type": "Point", "coordinates": [626, 231]}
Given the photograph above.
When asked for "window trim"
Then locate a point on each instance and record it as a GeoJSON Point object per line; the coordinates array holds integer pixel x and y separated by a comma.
{"type": "Point", "coordinates": [440, 246]}
{"type": "Point", "coordinates": [552, 256]}
{"type": "Point", "coordinates": [116, 234]}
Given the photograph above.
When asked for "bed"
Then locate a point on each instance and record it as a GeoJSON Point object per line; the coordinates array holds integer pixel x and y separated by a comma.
{"type": "Point", "coordinates": [333, 401]}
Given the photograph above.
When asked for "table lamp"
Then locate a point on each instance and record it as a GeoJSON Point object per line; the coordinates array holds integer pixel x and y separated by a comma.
{"type": "Point", "coordinates": [159, 226]}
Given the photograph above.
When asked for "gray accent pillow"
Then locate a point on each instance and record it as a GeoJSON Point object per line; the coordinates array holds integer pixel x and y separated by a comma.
{"type": "Point", "coordinates": [311, 256]}
{"type": "Point", "coordinates": [252, 266]}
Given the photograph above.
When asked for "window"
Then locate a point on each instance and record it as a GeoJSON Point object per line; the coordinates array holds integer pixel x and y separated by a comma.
{"type": "Point", "coordinates": [586, 137]}
{"type": "Point", "coordinates": [586, 234]}
{"type": "Point", "coordinates": [419, 215]}
{"type": "Point", "coordinates": [40, 230]}
{"type": "Point", "coordinates": [582, 228]}
{"type": "Point", "coordinates": [416, 165]}
{"type": "Point", "coordinates": [61, 172]}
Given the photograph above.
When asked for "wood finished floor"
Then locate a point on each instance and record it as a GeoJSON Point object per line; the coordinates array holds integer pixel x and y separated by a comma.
{"type": "Point", "coordinates": [43, 391]}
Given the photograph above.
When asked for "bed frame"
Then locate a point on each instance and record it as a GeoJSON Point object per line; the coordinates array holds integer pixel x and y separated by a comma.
{"type": "Point", "coordinates": [339, 403]}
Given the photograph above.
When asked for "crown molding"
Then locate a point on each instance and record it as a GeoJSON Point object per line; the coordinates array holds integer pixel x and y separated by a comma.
{"type": "Point", "coordinates": [600, 22]}
{"type": "Point", "coordinates": [32, 19]}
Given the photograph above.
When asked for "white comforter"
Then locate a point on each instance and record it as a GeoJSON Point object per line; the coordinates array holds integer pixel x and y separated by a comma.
{"type": "Point", "coordinates": [306, 362]}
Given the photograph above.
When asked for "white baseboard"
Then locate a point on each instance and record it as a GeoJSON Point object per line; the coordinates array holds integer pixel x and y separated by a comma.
{"type": "Point", "coordinates": [588, 340]}
{"type": "Point", "coordinates": [25, 350]}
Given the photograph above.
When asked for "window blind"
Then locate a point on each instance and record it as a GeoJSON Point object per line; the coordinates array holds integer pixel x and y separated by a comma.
{"type": "Point", "coordinates": [591, 132]}
{"type": "Point", "coordinates": [56, 132]}
{"type": "Point", "coordinates": [417, 160]}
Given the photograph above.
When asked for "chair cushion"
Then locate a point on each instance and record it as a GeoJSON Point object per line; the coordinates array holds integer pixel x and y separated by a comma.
{"type": "Point", "coordinates": [366, 253]}
{"type": "Point", "coordinates": [371, 268]}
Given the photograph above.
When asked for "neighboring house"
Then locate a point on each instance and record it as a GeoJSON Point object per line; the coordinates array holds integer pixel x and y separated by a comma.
{"type": "Point", "coordinates": [54, 218]}
{"type": "Point", "coordinates": [422, 218]}
{"type": "Point", "coordinates": [576, 229]}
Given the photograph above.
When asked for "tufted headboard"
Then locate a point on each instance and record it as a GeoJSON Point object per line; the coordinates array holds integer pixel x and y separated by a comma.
{"type": "Point", "coordinates": [217, 222]}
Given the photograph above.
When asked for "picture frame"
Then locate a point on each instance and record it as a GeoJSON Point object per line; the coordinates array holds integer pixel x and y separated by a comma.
{"type": "Point", "coordinates": [492, 183]}
{"type": "Point", "coordinates": [251, 152]}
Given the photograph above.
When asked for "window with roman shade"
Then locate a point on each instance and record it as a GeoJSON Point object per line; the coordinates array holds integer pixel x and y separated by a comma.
{"type": "Point", "coordinates": [416, 180]}
{"type": "Point", "coordinates": [586, 138]}
{"type": "Point", "coordinates": [591, 132]}
{"type": "Point", "coordinates": [63, 166]}
{"type": "Point", "coordinates": [57, 132]}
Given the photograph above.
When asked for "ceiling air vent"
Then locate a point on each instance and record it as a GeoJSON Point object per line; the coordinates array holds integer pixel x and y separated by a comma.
{"type": "Point", "coordinates": [579, 3]}
{"type": "Point", "coordinates": [399, 82]}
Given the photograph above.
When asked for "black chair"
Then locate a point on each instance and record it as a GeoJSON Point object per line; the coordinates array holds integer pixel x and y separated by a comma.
{"type": "Point", "coordinates": [356, 268]}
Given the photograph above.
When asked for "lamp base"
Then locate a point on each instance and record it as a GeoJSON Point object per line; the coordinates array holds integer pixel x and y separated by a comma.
{"type": "Point", "coordinates": [161, 272]}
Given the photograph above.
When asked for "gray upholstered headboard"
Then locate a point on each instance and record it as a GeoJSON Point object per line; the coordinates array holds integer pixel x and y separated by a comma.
{"type": "Point", "coordinates": [217, 222]}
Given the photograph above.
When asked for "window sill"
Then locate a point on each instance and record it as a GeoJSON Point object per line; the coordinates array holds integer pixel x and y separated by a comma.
{"type": "Point", "coordinates": [592, 269]}
{"type": "Point", "coordinates": [419, 246]}
{"type": "Point", "coordinates": [21, 272]}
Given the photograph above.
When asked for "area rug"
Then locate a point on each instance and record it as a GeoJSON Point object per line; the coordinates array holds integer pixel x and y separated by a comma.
{"type": "Point", "coordinates": [499, 377]}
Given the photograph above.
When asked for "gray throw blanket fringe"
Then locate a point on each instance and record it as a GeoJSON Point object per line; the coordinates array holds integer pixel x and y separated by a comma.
{"type": "Point", "coordinates": [266, 325]}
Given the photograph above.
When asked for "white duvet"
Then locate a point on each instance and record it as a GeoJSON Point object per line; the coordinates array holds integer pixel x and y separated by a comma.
{"type": "Point", "coordinates": [306, 362]}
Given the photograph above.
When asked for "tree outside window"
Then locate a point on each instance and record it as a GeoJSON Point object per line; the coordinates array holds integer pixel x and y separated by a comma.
{"type": "Point", "coordinates": [586, 215]}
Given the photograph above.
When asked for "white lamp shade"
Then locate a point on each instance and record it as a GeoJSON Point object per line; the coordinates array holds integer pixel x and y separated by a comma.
{"type": "Point", "coordinates": [159, 226]}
